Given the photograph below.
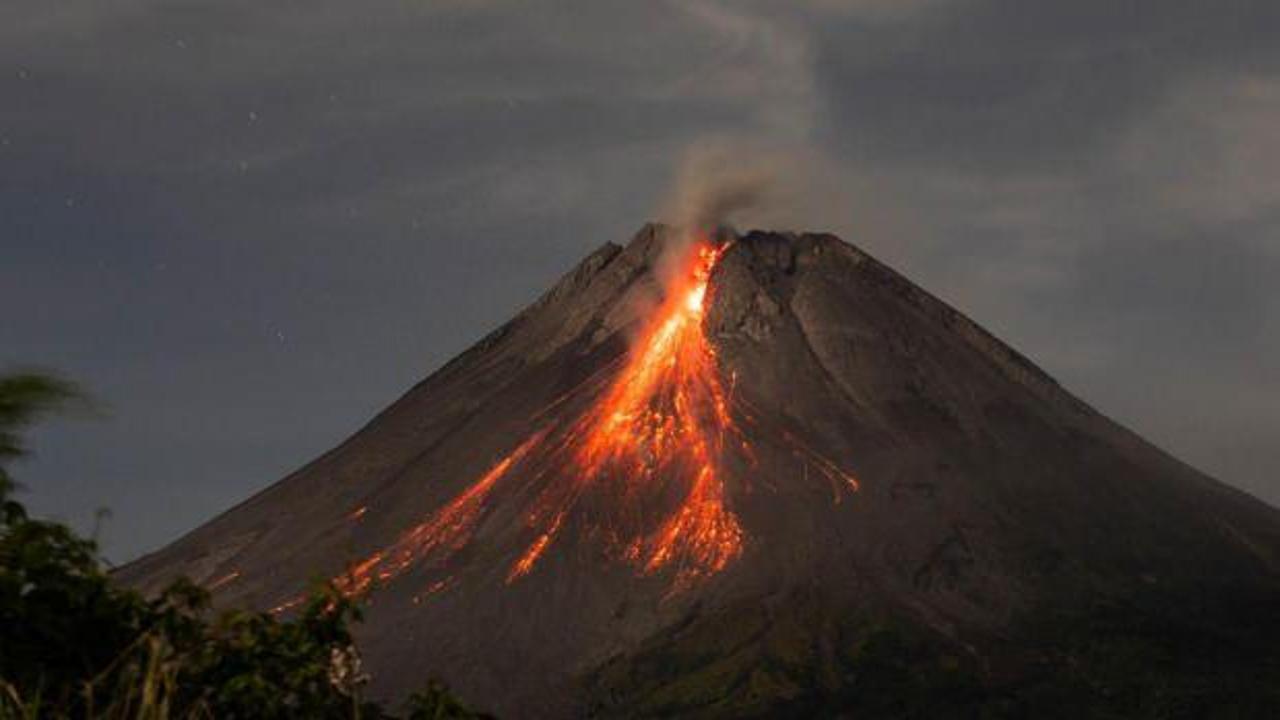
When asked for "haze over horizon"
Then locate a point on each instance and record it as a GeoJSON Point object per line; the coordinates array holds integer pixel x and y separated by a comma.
{"type": "Point", "coordinates": [246, 229]}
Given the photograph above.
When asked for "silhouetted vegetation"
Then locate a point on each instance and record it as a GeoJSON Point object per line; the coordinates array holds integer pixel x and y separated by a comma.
{"type": "Point", "coordinates": [73, 644]}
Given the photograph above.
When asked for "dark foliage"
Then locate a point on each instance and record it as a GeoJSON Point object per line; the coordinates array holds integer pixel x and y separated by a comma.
{"type": "Point", "coordinates": [73, 644]}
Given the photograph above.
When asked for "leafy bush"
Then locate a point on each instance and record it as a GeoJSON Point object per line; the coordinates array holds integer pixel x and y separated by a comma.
{"type": "Point", "coordinates": [75, 645]}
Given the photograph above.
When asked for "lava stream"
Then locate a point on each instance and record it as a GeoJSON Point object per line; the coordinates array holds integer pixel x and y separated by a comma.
{"type": "Point", "coordinates": [661, 424]}
{"type": "Point", "coordinates": [666, 415]}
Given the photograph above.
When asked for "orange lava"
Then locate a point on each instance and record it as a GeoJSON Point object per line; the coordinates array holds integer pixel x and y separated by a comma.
{"type": "Point", "coordinates": [667, 415]}
{"type": "Point", "coordinates": [222, 580]}
{"type": "Point", "coordinates": [839, 478]}
{"type": "Point", "coordinates": [641, 471]}
{"type": "Point", "coordinates": [447, 530]}
{"type": "Point", "coordinates": [534, 552]}
{"type": "Point", "coordinates": [658, 428]}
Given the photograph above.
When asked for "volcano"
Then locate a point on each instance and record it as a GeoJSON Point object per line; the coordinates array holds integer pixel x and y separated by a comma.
{"type": "Point", "coordinates": [712, 474]}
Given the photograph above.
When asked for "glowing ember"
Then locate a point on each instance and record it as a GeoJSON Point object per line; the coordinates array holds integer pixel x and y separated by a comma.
{"type": "Point", "coordinates": [433, 589]}
{"type": "Point", "coordinates": [288, 605]}
{"type": "Point", "coordinates": [222, 580]}
{"type": "Point", "coordinates": [539, 546]}
{"type": "Point", "coordinates": [839, 479]}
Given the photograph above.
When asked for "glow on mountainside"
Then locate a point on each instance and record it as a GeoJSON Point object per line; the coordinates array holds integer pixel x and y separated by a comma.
{"type": "Point", "coordinates": [639, 472]}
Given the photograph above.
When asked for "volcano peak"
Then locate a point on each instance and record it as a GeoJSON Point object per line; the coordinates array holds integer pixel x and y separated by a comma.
{"type": "Point", "coordinates": [701, 448]}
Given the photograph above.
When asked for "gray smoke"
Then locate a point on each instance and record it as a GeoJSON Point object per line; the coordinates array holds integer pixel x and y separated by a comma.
{"type": "Point", "coordinates": [716, 183]}
{"type": "Point", "coordinates": [749, 182]}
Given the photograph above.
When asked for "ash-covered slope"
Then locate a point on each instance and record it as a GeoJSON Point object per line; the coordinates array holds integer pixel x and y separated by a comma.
{"type": "Point", "coordinates": [694, 478]}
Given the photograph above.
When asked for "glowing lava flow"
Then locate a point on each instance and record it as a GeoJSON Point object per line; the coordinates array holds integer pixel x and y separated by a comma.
{"type": "Point", "coordinates": [447, 530]}
{"type": "Point", "coordinates": [666, 415]}
{"type": "Point", "coordinates": [657, 431]}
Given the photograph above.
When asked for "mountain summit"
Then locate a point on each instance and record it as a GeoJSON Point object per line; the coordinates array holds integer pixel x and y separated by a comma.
{"type": "Point", "coordinates": [723, 475]}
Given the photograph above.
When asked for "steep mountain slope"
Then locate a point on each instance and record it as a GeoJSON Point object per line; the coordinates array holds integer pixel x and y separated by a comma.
{"type": "Point", "coordinates": [720, 475]}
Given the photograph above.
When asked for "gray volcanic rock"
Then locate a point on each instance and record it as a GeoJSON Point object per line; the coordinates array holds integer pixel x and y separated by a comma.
{"type": "Point", "coordinates": [888, 461]}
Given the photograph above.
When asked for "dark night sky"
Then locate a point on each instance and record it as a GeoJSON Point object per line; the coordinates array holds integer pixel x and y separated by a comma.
{"type": "Point", "coordinates": [247, 226]}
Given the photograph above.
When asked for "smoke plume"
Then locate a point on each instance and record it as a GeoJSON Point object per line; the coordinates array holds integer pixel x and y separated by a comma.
{"type": "Point", "coordinates": [715, 182]}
